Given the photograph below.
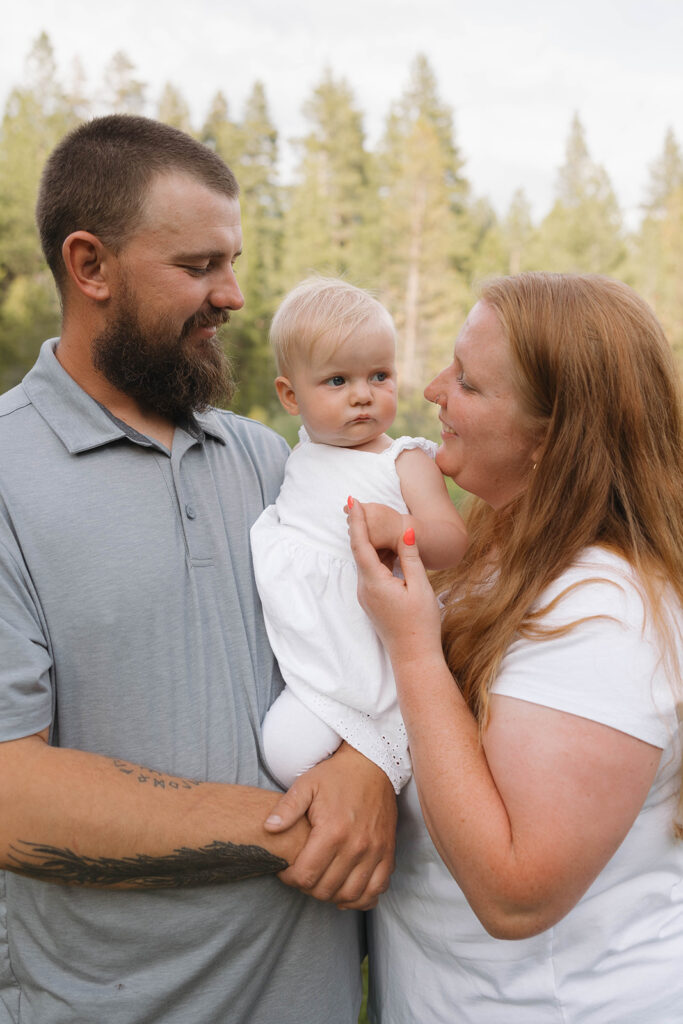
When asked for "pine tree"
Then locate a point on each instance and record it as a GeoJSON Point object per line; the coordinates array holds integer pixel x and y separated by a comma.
{"type": "Point", "coordinates": [666, 175]}
{"type": "Point", "coordinates": [36, 116]}
{"type": "Point", "coordinates": [425, 229]}
{"type": "Point", "coordinates": [221, 133]}
{"type": "Point", "coordinates": [658, 256]}
{"type": "Point", "coordinates": [123, 92]}
{"type": "Point", "coordinates": [583, 231]}
{"type": "Point", "coordinates": [173, 109]}
{"type": "Point", "coordinates": [328, 224]}
{"type": "Point", "coordinates": [259, 266]}
{"type": "Point", "coordinates": [518, 231]}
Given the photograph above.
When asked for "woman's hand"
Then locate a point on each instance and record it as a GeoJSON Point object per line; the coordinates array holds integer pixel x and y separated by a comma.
{"type": "Point", "coordinates": [405, 612]}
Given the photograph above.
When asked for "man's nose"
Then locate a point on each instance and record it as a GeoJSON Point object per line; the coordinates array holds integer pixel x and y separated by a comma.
{"type": "Point", "coordinates": [226, 292]}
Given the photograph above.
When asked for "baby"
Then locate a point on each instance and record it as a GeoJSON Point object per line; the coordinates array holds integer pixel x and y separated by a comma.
{"type": "Point", "coordinates": [335, 352]}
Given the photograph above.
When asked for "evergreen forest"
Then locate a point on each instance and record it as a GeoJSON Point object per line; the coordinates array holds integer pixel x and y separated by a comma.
{"type": "Point", "coordinates": [401, 219]}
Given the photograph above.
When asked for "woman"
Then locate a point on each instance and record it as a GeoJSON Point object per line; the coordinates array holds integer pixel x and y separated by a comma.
{"type": "Point", "coordinates": [545, 786]}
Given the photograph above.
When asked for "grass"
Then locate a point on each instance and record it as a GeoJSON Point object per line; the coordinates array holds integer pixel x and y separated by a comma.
{"type": "Point", "coordinates": [363, 1015]}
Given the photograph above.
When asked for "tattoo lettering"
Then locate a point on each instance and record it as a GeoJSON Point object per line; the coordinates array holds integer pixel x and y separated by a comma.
{"type": "Point", "coordinates": [158, 779]}
{"type": "Point", "coordinates": [185, 867]}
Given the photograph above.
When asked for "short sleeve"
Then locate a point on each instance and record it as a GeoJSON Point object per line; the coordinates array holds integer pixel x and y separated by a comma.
{"type": "Point", "coordinates": [608, 667]}
{"type": "Point", "coordinates": [25, 662]}
{"type": "Point", "coordinates": [402, 444]}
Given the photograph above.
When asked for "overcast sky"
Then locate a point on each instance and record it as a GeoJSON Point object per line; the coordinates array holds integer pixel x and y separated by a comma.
{"type": "Point", "coordinates": [513, 72]}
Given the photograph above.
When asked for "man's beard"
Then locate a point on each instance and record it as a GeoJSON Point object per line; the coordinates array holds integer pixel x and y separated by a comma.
{"type": "Point", "coordinates": [159, 369]}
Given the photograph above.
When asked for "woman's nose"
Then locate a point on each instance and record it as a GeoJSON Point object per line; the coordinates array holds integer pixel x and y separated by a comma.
{"type": "Point", "coordinates": [434, 391]}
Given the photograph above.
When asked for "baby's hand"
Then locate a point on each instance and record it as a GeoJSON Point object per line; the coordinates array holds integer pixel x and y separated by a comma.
{"type": "Point", "coordinates": [385, 526]}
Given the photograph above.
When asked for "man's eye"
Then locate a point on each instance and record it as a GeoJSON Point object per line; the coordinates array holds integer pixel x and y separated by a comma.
{"type": "Point", "coordinates": [196, 271]}
{"type": "Point", "coordinates": [336, 381]}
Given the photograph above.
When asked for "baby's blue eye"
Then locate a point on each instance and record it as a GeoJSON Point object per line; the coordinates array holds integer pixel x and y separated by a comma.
{"type": "Point", "coordinates": [336, 381]}
{"type": "Point", "coordinates": [380, 375]}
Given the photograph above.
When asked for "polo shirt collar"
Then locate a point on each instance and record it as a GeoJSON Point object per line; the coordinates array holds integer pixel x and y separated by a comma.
{"type": "Point", "coordinates": [79, 421]}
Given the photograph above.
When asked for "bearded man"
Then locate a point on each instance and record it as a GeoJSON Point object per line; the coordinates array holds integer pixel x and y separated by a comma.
{"type": "Point", "coordinates": [135, 668]}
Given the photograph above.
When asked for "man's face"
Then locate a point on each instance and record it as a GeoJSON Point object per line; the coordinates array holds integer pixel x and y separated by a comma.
{"type": "Point", "coordinates": [172, 285]}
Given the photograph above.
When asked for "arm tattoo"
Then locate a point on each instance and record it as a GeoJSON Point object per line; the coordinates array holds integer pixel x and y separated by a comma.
{"type": "Point", "coordinates": [157, 779]}
{"type": "Point", "coordinates": [208, 865]}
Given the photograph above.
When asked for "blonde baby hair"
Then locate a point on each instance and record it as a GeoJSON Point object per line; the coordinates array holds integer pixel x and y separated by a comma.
{"type": "Point", "coordinates": [321, 309]}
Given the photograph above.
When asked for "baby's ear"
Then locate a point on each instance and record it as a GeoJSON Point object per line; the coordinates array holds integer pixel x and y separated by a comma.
{"type": "Point", "coordinates": [285, 392]}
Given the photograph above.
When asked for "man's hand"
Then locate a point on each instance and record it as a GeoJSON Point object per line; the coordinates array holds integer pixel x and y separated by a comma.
{"type": "Point", "coordinates": [349, 855]}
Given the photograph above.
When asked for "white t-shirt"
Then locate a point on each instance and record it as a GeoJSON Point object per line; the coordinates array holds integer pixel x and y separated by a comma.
{"type": "Point", "coordinates": [617, 956]}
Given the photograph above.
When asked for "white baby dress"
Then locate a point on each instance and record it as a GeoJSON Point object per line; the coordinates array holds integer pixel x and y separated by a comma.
{"type": "Point", "coordinates": [328, 651]}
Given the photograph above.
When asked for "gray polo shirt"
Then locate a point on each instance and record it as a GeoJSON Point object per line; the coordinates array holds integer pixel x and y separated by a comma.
{"type": "Point", "coordinates": [130, 624]}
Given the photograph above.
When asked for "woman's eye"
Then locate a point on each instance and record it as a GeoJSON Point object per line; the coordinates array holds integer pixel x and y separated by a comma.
{"type": "Point", "coordinates": [462, 382]}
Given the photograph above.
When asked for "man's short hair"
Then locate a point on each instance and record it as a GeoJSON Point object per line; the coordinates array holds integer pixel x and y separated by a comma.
{"type": "Point", "coordinates": [98, 177]}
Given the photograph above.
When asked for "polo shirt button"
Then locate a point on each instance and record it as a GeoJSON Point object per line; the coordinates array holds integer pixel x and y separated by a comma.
{"type": "Point", "coordinates": [190, 512]}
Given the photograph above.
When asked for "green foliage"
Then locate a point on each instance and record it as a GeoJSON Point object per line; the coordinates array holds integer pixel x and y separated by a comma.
{"type": "Point", "coordinates": [254, 158]}
{"type": "Point", "coordinates": [329, 208]}
{"type": "Point", "coordinates": [173, 109]}
{"type": "Point", "coordinates": [124, 93]}
{"type": "Point", "coordinates": [583, 231]}
{"type": "Point", "coordinates": [402, 219]}
{"type": "Point", "coordinates": [425, 228]}
{"type": "Point", "coordinates": [36, 116]}
{"type": "Point", "coordinates": [656, 264]}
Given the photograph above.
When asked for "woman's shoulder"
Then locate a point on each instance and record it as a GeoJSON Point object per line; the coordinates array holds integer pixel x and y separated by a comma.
{"type": "Point", "coordinates": [596, 570]}
{"type": "Point", "coordinates": [600, 581]}
{"type": "Point", "coordinates": [596, 650]}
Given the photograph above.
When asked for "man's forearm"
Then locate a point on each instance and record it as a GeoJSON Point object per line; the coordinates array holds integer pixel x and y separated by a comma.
{"type": "Point", "coordinates": [208, 865]}
{"type": "Point", "coordinates": [80, 819]}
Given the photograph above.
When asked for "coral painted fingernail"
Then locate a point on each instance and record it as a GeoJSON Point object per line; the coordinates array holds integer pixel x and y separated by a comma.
{"type": "Point", "coordinates": [349, 501]}
{"type": "Point", "coordinates": [409, 536]}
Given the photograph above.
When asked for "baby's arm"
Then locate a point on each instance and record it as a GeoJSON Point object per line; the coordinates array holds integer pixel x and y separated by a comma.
{"type": "Point", "coordinates": [440, 530]}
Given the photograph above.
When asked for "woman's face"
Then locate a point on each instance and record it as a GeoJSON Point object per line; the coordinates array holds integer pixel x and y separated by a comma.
{"type": "Point", "coordinates": [489, 444]}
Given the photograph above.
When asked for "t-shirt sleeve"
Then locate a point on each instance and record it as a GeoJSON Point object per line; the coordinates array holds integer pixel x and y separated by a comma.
{"type": "Point", "coordinates": [607, 668]}
{"type": "Point", "coordinates": [25, 661]}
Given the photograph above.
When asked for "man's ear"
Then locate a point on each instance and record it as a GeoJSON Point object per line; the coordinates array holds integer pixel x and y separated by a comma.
{"type": "Point", "coordinates": [87, 261]}
{"type": "Point", "coordinates": [285, 392]}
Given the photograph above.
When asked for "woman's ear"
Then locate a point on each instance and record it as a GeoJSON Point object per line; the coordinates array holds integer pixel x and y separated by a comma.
{"type": "Point", "coordinates": [87, 260]}
{"type": "Point", "coordinates": [540, 444]}
{"type": "Point", "coordinates": [285, 392]}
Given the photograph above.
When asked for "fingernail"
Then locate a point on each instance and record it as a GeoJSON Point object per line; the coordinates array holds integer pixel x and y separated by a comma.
{"type": "Point", "coordinates": [274, 819]}
{"type": "Point", "coordinates": [409, 536]}
{"type": "Point", "coordinates": [349, 501]}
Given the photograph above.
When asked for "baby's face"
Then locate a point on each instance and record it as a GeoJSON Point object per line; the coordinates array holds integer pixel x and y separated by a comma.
{"type": "Point", "coordinates": [347, 396]}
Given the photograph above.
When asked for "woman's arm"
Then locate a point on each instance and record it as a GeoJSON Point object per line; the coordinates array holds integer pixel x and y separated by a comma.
{"type": "Point", "coordinates": [433, 516]}
{"type": "Point", "coordinates": [526, 822]}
